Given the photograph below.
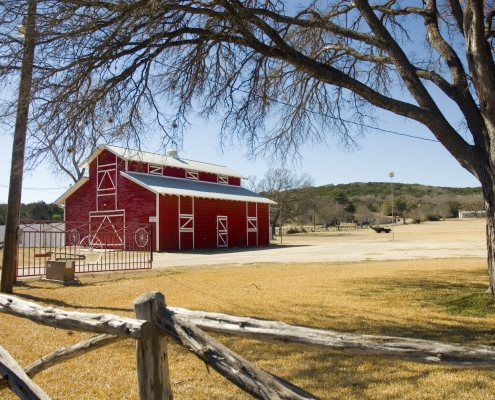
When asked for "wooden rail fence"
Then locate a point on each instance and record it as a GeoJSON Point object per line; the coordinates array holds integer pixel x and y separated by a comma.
{"type": "Point", "coordinates": [155, 323]}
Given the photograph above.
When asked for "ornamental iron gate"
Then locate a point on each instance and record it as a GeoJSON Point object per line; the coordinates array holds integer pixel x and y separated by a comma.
{"type": "Point", "coordinates": [100, 245]}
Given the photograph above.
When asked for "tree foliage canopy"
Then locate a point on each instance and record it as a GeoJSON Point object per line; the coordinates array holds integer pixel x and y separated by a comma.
{"type": "Point", "coordinates": [315, 67]}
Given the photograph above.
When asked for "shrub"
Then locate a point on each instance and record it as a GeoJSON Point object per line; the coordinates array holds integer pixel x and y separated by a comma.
{"type": "Point", "coordinates": [432, 217]}
{"type": "Point", "coordinates": [291, 231]}
{"type": "Point", "coordinates": [416, 220]}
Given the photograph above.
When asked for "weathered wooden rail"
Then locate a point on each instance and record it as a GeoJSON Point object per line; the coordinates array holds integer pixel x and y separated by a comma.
{"type": "Point", "coordinates": [155, 323]}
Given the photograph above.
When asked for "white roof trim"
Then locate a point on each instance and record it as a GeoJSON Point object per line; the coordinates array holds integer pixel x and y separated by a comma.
{"type": "Point", "coordinates": [160, 159]}
{"type": "Point", "coordinates": [72, 189]}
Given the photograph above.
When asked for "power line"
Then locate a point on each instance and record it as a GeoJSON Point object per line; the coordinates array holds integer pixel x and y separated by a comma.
{"type": "Point", "coordinates": [347, 121]}
{"type": "Point", "coordinates": [43, 190]}
{"type": "Point", "coordinates": [335, 118]}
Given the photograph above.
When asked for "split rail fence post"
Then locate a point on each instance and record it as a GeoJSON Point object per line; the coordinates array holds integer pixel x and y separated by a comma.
{"type": "Point", "coordinates": [152, 354]}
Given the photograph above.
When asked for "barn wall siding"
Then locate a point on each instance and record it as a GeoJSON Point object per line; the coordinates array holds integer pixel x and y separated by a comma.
{"type": "Point", "coordinates": [136, 166]}
{"type": "Point", "coordinates": [139, 203]}
{"type": "Point", "coordinates": [169, 223]}
{"type": "Point", "coordinates": [207, 177]}
{"type": "Point", "coordinates": [206, 212]}
{"type": "Point", "coordinates": [174, 172]}
{"type": "Point", "coordinates": [234, 181]}
{"type": "Point", "coordinates": [263, 225]}
{"type": "Point", "coordinates": [81, 202]}
{"type": "Point", "coordinates": [106, 157]}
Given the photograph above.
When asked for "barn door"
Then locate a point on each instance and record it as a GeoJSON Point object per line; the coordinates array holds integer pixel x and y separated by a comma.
{"type": "Point", "coordinates": [222, 232]}
{"type": "Point", "coordinates": [106, 230]}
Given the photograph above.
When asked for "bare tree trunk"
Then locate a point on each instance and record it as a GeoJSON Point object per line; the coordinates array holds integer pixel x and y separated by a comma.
{"type": "Point", "coordinates": [488, 187]}
{"type": "Point", "coordinates": [490, 243]}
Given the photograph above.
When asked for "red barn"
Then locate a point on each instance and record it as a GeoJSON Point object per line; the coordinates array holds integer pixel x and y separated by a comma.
{"type": "Point", "coordinates": [190, 204]}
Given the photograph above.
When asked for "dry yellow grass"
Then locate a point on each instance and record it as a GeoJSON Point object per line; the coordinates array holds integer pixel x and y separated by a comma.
{"type": "Point", "coordinates": [399, 298]}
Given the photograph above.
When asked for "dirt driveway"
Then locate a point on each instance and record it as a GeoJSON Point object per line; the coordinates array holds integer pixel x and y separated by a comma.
{"type": "Point", "coordinates": [442, 239]}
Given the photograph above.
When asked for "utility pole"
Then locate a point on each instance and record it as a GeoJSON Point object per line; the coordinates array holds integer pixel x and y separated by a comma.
{"type": "Point", "coordinates": [9, 263]}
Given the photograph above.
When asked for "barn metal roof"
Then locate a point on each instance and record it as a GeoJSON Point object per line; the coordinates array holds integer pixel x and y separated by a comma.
{"type": "Point", "coordinates": [193, 188]}
{"type": "Point", "coordinates": [160, 159]}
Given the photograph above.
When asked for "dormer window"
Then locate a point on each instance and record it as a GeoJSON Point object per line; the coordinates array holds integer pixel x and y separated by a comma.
{"type": "Point", "coordinates": [155, 169]}
{"type": "Point", "coordinates": [223, 179]}
{"type": "Point", "coordinates": [191, 174]}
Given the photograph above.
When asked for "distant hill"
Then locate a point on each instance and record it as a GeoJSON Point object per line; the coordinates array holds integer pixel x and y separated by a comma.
{"type": "Point", "coordinates": [382, 190]}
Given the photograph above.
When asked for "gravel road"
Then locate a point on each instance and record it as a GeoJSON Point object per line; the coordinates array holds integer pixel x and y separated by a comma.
{"type": "Point", "coordinates": [443, 239]}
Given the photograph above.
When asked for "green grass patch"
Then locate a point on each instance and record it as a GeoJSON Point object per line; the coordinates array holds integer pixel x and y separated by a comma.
{"type": "Point", "coordinates": [468, 304]}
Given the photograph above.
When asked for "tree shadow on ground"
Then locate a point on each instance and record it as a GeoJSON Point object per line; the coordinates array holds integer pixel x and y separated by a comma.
{"type": "Point", "coordinates": [51, 302]}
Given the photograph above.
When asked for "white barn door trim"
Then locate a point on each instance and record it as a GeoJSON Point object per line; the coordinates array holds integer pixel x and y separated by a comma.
{"type": "Point", "coordinates": [251, 224]}
{"type": "Point", "coordinates": [186, 224]}
{"type": "Point", "coordinates": [106, 183]}
{"type": "Point", "coordinates": [222, 231]}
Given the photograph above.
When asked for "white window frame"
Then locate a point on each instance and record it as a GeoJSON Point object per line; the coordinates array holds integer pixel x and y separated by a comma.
{"type": "Point", "coordinates": [223, 179]}
{"type": "Point", "coordinates": [155, 169]}
{"type": "Point", "coordinates": [192, 174]}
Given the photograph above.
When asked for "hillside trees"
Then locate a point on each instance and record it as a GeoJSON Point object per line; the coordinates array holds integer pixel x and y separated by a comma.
{"type": "Point", "coordinates": [276, 74]}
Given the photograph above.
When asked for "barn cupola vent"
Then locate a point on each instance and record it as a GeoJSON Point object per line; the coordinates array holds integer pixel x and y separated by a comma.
{"type": "Point", "coordinates": [173, 153]}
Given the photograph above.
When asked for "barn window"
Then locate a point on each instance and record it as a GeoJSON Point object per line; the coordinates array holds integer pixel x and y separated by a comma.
{"type": "Point", "coordinates": [155, 169]}
{"type": "Point", "coordinates": [223, 179]}
{"type": "Point", "coordinates": [190, 174]}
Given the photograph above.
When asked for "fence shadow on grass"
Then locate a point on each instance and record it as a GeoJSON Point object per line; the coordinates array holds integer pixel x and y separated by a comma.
{"type": "Point", "coordinates": [61, 303]}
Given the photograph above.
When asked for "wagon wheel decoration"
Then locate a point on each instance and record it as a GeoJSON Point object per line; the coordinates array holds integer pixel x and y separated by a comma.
{"type": "Point", "coordinates": [74, 237]}
{"type": "Point", "coordinates": [141, 237]}
{"type": "Point", "coordinates": [87, 246]}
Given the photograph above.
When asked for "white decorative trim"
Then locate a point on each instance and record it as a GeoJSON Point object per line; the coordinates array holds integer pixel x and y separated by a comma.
{"type": "Point", "coordinates": [251, 224]}
{"type": "Point", "coordinates": [101, 177]}
{"type": "Point", "coordinates": [155, 169]}
{"type": "Point", "coordinates": [222, 231]}
{"type": "Point", "coordinates": [223, 179]}
{"type": "Point", "coordinates": [106, 171]}
{"type": "Point", "coordinates": [186, 223]}
{"type": "Point", "coordinates": [107, 215]}
{"type": "Point", "coordinates": [191, 174]}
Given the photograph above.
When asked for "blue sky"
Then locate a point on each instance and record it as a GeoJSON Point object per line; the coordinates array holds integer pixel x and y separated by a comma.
{"type": "Point", "coordinates": [412, 160]}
